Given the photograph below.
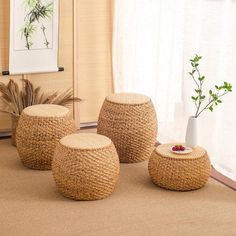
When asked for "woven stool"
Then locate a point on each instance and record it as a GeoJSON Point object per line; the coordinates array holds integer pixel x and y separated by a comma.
{"type": "Point", "coordinates": [85, 166]}
{"type": "Point", "coordinates": [181, 172]}
{"type": "Point", "coordinates": [39, 129]}
{"type": "Point", "coordinates": [129, 120]}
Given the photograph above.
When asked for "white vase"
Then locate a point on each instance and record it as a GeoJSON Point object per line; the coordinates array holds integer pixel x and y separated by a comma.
{"type": "Point", "coordinates": [191, 132]}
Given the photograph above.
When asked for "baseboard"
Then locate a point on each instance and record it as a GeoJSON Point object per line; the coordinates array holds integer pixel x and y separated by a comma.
{"type": "Point", "coordinates": [5, 134]}
{"type": "Point", "coordinates": [89, 125]}
{"type": "Point", "coordinates": [223, 179]}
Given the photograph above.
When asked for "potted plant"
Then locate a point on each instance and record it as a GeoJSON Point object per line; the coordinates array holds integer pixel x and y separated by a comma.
{"type": "Point", "coordinates": [15, 99]}
{"type": "Point", "coordinates": [202, 101]}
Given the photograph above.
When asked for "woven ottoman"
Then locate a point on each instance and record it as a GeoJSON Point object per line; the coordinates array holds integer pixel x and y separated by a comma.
{"type": "Point", "coordinates": [181, 172]}
{"type": "Point", "coordinates": [129, 120]}
{"type": "Point", "coordinates": [85, 166]}
{"type": "Point", "coordinates": [39, 129]}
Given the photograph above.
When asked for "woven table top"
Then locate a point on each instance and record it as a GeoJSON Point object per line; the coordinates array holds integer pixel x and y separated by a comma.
{"type": "Point", "coordinates": [85, 141]}
{"type": "Point", "coordinates": [46, 110]}
{"type": "Point", "coordinates": [164, 150]}
{"type": "Point", "coordinates": [128, 98]}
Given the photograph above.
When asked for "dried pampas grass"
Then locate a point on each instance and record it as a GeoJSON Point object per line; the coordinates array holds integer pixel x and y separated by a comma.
{"type": "Point", "coordinates": [15, 100]}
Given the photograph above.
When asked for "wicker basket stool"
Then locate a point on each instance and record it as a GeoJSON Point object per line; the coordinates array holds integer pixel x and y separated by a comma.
{"type": "Point", "coordinates": [129, 120]}
{"type": "Point", "coordinates": [39, 129]}
{"type": "Point", "coordinates": [181, 172]}
{"type": "Point", "coordinates": [85, 166]}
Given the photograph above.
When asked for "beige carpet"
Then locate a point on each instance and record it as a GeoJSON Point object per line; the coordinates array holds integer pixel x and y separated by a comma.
{"type": "Point", "coordinates": [30, 205]}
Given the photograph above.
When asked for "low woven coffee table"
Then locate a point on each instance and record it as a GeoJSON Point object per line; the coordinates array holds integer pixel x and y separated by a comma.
{"type": "Point", "coordinates": [181, 172]}
{"type": "Point", "coordinates": [85, 166]}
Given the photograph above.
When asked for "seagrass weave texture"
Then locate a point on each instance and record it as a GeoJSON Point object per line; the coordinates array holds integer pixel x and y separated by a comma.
{"type": "Point", "coordinates": [179, 172]}
{"type": "Point", "coordinates": [82, 173]}
{"type": "Point", "coordinates": [37, 136]}
{"type": "Point", "coordinates": [129, 120]}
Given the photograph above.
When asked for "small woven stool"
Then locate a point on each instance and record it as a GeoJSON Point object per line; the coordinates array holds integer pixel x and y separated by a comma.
{"type": "Point", "coordinates": [39, 129]}
{"type": "Point", "coordinates": [181, 172]}
{"type": "Point", "coordinates": [85, 166]}
{"type": "Point", "coordinates": [129, 120]}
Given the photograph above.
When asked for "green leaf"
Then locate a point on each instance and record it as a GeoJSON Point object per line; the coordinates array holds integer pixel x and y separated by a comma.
{"type": "Point", "coordinates": [196, 57]}
{"type": "Point", "coordinates": [201, 78]}
{"type": "Point", "coordinates": [229, 87]}
{"type": "Point", "coordinates": [210, 92]}
{"type": "Point", "coordinates": [215, 98]}
{"type": "Point", "coordinates": [211, 108]}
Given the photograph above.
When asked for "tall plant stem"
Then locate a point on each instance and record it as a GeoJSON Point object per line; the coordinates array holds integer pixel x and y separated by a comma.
{"type": "Point", "coordinates": [200, 93]}
{"type": "Point", "coordinates": [195, 80]}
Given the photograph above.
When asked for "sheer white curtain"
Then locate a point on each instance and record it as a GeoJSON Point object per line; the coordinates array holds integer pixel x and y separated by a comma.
{"type": "Point", "coordinates": [143, 44]}
{"type": "Point", "coordinates": [153, 41]}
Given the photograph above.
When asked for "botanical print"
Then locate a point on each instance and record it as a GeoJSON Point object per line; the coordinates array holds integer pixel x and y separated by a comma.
{"type": "Point", "coordinates": [33, 22]}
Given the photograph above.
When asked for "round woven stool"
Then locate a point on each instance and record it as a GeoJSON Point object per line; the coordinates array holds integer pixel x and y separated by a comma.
{"type": "Point", "coordinates": [85, 166]}
{"type": "Point", "coordinates": [129, 120]}
{"type": "Point", "coordinates": [181, 172]}
{"type": "Point", "coordinates": [39, 129]}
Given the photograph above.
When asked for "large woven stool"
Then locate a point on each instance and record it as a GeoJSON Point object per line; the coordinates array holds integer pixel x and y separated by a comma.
{"type": "Point", "coordinates": [85, 166]}
{"type": "Point", "coordinates": [39, 129]}
{"type": "Point", "coordinates": [181, 172]}
{"type": "Point", "coordinates": [129, 120]}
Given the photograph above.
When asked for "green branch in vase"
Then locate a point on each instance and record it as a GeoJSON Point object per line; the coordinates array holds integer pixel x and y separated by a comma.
{"type": "Point", "coordinates": [199, 97]}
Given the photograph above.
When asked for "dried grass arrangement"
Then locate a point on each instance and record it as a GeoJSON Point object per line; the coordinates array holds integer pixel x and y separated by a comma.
{"type": "Point", "coordinates": [15, 99]}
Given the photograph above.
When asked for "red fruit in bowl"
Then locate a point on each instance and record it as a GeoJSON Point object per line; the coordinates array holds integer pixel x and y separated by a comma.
{"type": "Point", "coordinates": [178, 148]}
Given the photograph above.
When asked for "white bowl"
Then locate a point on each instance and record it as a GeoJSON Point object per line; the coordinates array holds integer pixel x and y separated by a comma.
{"type": "Point", "coordinates": [186, 151]}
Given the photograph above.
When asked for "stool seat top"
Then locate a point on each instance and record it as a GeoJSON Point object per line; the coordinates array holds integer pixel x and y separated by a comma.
{"type": "Point", "coordinates": [46, 110]}
{"type": "Point", "coordinates": [128, 98]}
{"type": "Point", "coordinates": [85, 141]}
{"type": "Point", "coordinates": [164, 151]}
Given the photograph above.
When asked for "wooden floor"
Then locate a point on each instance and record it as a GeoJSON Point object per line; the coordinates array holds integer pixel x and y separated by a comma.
{"type": "Point", "coordinates": [31, 205]}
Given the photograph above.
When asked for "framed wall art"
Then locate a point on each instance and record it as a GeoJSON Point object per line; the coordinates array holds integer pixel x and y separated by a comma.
{"type": "Point", "coordinates": [33, 36]}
